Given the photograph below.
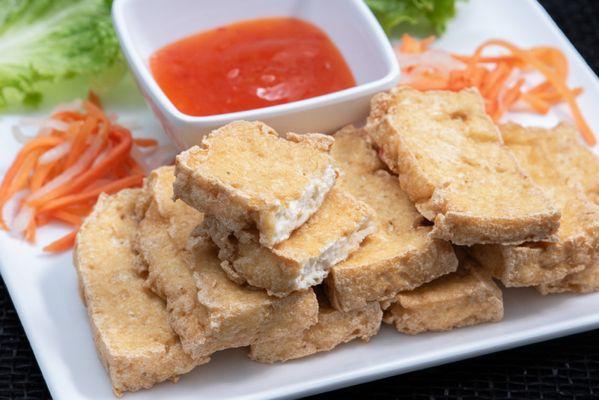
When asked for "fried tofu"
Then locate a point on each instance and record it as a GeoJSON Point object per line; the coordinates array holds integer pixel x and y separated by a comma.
{"type": "Point", "coordinates": [333, 328]}
{"type": "Point", "coordinates": [179, 218]}
{"type": "Point", "coordinates": [584, 281]}
{"type": "Point", "coordinates": [303, 260]}
{"type": "Point", "coordinates": [130, 324]}
{"type": "Point", "coordinates": [453, 165]}
{"type": "Point", "coordinates": [247, 176]}
{"type": "Point", "coordinates": [466, 297]}
{"type": "Point", "coordinates": [584, 164]}
{"type": "Point", "coordinates": [206, 309]}
{"type": "Point", "coordinates": [400, 255]}
{"type": "Point", "coordinates": [576, 158]}
{"type": "Point", "coordinates": [531, 264]}
{"type": "Point", "coordinates": [579, 166]}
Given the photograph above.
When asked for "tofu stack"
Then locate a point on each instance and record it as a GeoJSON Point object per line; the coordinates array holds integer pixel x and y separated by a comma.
{"type": "Point", "coordinates": [423, 283]}
{"type": "Point", "coordinates": [288, 245]}
{"type": "Point", "coordinates": [271, 205]}
{"type": "Point", "coordinates": [518, 204]}
{"type": "Point", "coordinates": [274, 221]}
{"type": "Point", "coordinates": [557, 162]}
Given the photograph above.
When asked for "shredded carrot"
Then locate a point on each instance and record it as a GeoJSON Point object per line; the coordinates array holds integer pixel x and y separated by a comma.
{"type": "Point", "coordinates": [81, 209]}
{"type": "Point", "coordinates": [116, 156]}
{"type": "Point", "coordinates": [62, 244]}
{"type": "Point", "coordinates": [21, 179]}
{"type": "Point", "coordinates": [539, 105]}
{"type": "Point", "coordinates": [500, 79]}
{"type": "Point", "coordinates": [412, 45]}
{"type": "Point", "coordinates": [30, 231]}
{"type": "Point", "coordinates": [478, 76]}
{"type": "Point", "coordinates": [68, 116]}
{"type": "Point", "coordinates": [92, 157]}
{"type": "Point", "coordinates": [145, 142]}
{"type": "Point", "coordinates": [512, 95]}
{"type": "Point", "coordinates": [81, 134]}
{"type": "Point", "coordinates": [134, 166]}
{"type": "Point", "coordinates": [40, 174]}
{"type": "Point", "coordinates": [67, 217]}
{"type": "Point", "coordinates": [110, 188]}
{"type": "Point", "coordinates": [93, 98]}
{"type": "Point", "coordinates": [554, 77]}
{"type": "Point", "coordinates": [487, 60]}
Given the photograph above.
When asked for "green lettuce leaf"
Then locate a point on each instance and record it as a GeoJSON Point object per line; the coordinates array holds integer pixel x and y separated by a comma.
{"type": "Point", "coordinates": [47, 41]}
{"type": "Point", "coordinates": [413, 16]}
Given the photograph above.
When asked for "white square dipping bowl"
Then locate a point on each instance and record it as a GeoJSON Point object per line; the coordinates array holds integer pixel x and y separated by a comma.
{"type": "Point", "coordinates": [144, 26]}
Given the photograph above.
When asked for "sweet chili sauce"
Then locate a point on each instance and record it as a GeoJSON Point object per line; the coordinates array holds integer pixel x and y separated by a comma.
{"type": "Point", "coordinates": [248, 65]}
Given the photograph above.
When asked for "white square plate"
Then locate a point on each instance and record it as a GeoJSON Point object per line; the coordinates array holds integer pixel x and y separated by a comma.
{"type": "Point", "coordinates": [44, 288]}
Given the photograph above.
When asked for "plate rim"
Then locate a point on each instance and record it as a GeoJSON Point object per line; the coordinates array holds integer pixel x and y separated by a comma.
{"type": "Point", "coordinates": [382, 370]}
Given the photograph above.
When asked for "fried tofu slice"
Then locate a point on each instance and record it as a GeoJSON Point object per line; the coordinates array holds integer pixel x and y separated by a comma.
{"type": "Point", "coordinates": [247, 176]}
{"type": "Point", "coordinates": [303, 260]}
{"type": "Point", "coordinates": [466, 297]}
{"type": "Point", "coordinates": [129, 323]}
{"type": "Point", "coordinates": [453, 165]}
{"type": "Point", "coordinates": [576, 158]}
{"type": "Point", "coordinates": [207, 310]}
{"type": "Point", "coordinates": [579, 165]}
{"type": "Point", "coordinates": [584, 164]}
{"type": "Point", "coordinates": [333, 328]}
{"type": "Point", "coordinates": [584, 281]}
{"type": "Point", "coordinates": [400, 255]}
{"type": "Point", "coordinates": [531, 264]}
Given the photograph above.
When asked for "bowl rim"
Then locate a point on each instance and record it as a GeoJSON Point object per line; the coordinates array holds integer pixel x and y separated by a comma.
{"type": "Point", "coordinates": [151, 88]}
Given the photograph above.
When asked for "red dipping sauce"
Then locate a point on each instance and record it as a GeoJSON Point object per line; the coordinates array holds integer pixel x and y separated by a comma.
{"type": "Point", "coordinates": [248, 65]}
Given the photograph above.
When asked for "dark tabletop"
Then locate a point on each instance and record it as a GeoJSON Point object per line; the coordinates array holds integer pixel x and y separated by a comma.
{"type": "Point", "coordinates": [562, 368]}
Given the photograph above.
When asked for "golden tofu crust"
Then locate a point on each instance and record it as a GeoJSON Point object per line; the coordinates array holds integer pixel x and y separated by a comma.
{"type": "Point", "coordinates": [333, 328]}
{"type": "Point", "coordinates": [130, 324]}
{"type": "Point", "coordinates": [585, 281]}
{"type": "Point", "coordinates": [400, 255]}
{"type": "Point", "coordinates": [453, 165]}
{"type": "Point", "coordinates": [206, 309]}
{"type": "Point", "coordinates": [303, 260]}
{"type": "Point", "coordinates": [466, 297]}
{"type": "Point", "coordinates": [539, 151]}
{"type": "Point", "coordinates": [574, 157]}
{"type": "Point", "coordinates": [248, 176]}
{"type": "Point", "coordinates": [577, 165]}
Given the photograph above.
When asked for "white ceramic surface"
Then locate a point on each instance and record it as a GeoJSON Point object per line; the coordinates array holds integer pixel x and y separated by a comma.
{"type": "Point", "coordinates": [44, 288]}
{"type": "Point", "coordinates": [144, 26]}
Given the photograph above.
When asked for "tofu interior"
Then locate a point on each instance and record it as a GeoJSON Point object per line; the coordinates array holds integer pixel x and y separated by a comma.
{"type": "Point", "coordinates": [279, 181]}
